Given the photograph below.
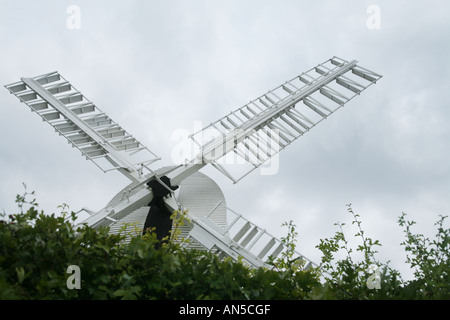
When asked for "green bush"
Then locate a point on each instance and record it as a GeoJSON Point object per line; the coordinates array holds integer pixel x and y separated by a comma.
{"type": "Point", "coordinates": [348, 279]}
{"type": "Point", "coordinates": [36, 250]}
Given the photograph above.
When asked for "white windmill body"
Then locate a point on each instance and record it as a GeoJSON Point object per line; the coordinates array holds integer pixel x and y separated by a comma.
{"type": "Point", "coordinates": [251, 136]}
{"type": "Point", "coordinates": [198, 194]}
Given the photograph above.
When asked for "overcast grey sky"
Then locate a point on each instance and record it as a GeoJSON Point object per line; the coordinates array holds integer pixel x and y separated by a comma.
{"type": "Point", "coordinates": [159, 66]}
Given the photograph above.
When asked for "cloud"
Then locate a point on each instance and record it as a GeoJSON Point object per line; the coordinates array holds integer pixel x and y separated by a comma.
{"type": "Point", "coordinates": [156, 67]}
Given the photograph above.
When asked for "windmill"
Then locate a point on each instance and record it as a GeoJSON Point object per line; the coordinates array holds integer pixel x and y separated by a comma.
{"type": "Point", "coordinates": [250, 136]}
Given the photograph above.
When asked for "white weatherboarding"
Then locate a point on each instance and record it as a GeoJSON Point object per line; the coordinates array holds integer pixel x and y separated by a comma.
{"type": "Point", "coordinates": [253, 134]}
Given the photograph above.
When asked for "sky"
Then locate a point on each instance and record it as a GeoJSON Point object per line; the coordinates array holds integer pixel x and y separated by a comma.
{"type": "Point", "coordinates": [156, 67]}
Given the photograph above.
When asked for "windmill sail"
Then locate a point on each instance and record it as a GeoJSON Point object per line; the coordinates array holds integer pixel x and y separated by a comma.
{"type": "Point", "coordinates": [83, 124]}
{"type": "Point", "coordinates": [243, 239]}
{"type": "Point", "coordinates": [207, 228]}
{"type": "Point", "coordinates": [256, 132]}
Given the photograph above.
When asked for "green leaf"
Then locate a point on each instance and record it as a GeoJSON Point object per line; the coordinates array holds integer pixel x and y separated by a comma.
{"type": "Point", "coordinates": [119, 293]}
{"type": "Point", "coordinates": [20, 274]}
